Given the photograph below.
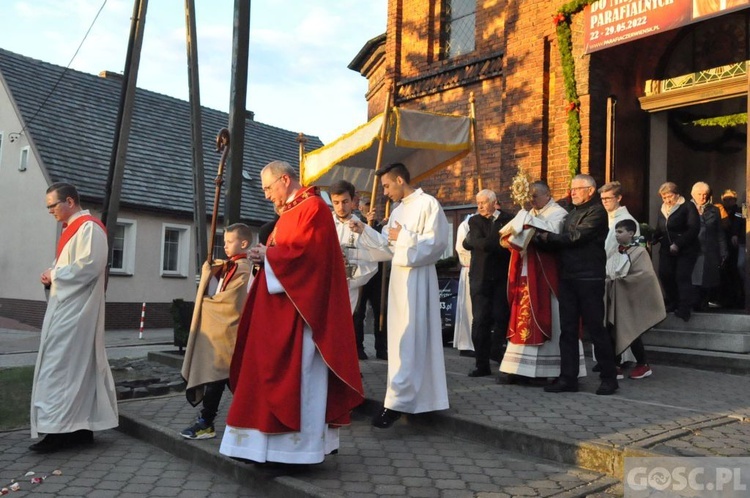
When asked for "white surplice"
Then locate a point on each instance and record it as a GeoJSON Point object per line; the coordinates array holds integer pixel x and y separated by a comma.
{"type": "Point", "coordinates": [462, 331]}
{"type": "Point", "coordinates": [416, 368]}
{"type": "Point", "coordinates": [366, 267]}
{"type": "Point", "coordinates": [315, 439]}
{"type": "Point", "coordinates": [73, 387]}
{"type": "Point", "coordinates": [538, 361]}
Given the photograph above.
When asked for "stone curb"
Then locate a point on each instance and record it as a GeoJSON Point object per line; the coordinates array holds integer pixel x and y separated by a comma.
{"type": "Point", "coordinates": [595, 456]}
{"type": "Point", "coordinates": [269, 480]}
{"type": "Point", "coordinates": [598, 457]}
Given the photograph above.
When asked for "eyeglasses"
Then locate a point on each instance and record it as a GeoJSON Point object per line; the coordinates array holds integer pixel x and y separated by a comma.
{"type": "Point", "coordinates": [267, 188]}
{"type": "Point", "coordinates": [607, 198]}
{"type": "Point", "coordinates": [54, 205]}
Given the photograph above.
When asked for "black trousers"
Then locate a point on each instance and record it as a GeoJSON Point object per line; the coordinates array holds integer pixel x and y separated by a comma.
{"type": "Point", "coordinates": [211, 400]}
{"type": "Point", "coordinates": [582, 301]}
{"type": "Point", "coordinates": [490, 309]}
{"type": "Point", "coordinates": [371, 293]}
{"type": "Point", "coordinates": [675, 274]}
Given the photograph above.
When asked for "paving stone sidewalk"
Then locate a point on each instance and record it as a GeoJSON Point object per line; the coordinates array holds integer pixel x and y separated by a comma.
{"type": "Point", "coordinates": [404, 461]}
{"type": "Point", "coordinates": [116, 465]}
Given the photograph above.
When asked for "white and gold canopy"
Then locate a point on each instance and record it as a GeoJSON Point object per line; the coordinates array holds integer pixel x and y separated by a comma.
{"type": "Point", "coordinates": [423, 141]}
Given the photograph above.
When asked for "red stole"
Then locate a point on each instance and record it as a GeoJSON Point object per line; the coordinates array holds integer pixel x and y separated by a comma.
{"type": "Point", "coordinates": [70, 229]}
{"type": "Point", "coordinates": [529, 297]}
{"type": "Point", "coordinates": [266, 368]}
{"type": "Point", "coordinates": [230, 268]}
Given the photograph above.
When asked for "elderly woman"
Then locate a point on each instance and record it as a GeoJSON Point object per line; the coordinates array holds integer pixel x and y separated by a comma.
{"type": "Point", "coordinates": [677, 231]}
{"type": "Point", "coordinates": [713, 247]}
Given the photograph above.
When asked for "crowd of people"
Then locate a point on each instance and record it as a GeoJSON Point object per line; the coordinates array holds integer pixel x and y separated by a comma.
{"type": "Point", "coordinates": [287, 341]}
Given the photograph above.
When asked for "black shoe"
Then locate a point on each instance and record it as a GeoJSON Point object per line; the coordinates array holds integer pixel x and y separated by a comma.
{"type": "Point", "coordinates": [382, 355]}
{"type": "Point", "coordinates": [561, 386]}
{"type": "Point", "coordinates": [386, 418]}
{"type": "Point", "coordinates": [361, 355]}
{"type": "Point", "coordinates": [81, 437]}
{"type": "Point", "coordinates": [480, 372]}
{"type": "Point", "coordinates": [607, 387]}
{"type": "Point", "coordinates": [50, 443]}
{"type": "Point", "coordinates": [467, 353]}
{"type": "Point", "coordinates": [684, 314]}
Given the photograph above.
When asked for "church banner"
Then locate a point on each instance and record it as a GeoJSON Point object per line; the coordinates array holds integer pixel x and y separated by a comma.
{"type": "Point", "coordinates": [612, 22]}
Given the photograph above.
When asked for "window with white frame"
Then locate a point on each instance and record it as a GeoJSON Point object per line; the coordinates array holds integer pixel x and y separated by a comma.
{"type": "Point", "coordinates": [459, 26]}
{"type": "Point", "coordinates": [218, 252]}
{"type": "Point", "coordinates": [175, 250]}
{"type": "Point", "coordinates": [23, 161]}
{"type": "Point", "coordinates": [122, 258]}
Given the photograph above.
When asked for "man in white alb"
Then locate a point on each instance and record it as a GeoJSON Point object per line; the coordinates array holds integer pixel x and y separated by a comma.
{"type": "Point", "coordinates": [73, 393]}
{"type": "Point", "coordinates": [416, 236]}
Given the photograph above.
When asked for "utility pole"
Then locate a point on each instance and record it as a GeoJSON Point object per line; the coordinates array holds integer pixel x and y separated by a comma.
{"type": "Point", "coordinates": [124, 118]}
{"type": "Point", "coordinates": [237, 111]}
{"type": "Point", "coordinates": [199, 187]}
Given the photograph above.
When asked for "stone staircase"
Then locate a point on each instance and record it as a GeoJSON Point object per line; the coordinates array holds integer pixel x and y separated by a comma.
{"type": "Point", "coordinates": [714, 341]}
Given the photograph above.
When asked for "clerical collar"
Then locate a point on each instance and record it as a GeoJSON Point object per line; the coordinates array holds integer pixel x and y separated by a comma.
{"type": "Point", "coordinates": [342, 220]}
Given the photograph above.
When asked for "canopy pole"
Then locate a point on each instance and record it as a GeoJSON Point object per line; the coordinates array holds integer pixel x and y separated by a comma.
{"type": "Point", "coordinates": [473, 117]}
{"type": "Point", "coordinates": [301, 140]}
{"type": "Point", "coordinates": [381, 145]}
{"type": "Point", "coordinates": [385, 267]}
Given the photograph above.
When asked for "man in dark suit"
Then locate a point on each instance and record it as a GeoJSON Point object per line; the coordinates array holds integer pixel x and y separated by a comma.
{"type": "Point", "coordinates": [488, 280]}
{"type": "Point", "coordinates": [583, 261]}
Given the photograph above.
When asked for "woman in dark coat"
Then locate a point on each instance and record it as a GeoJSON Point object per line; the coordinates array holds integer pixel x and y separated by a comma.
{"type": "Point", "coordinates": [713, 246]}
{"type": "Point", "coordinates": [677, 231]}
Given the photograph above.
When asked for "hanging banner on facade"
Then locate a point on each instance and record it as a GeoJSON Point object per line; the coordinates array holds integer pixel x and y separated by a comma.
{"type": "Point", "coordinates": [612, 22]}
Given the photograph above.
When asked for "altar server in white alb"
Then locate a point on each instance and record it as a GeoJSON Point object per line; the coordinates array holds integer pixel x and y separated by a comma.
{"type": "Point", "coordinates": [73, 392]}
{"type": "Point", "coordinates": [416, 236]}
{"type": "Point", "coordinates": [359, 266]}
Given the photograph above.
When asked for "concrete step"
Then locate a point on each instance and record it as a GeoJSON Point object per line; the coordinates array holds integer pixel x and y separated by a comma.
{"type": "Point", "coordinates": [729, 341]}
{"type": "Point", "coordinates": [716, 361]}
{"type": "Point", "coordinates": [710, 322]}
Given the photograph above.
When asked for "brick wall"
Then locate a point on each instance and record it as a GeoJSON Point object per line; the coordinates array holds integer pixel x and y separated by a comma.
{"type": "Point", "coordinates": [118, 315]}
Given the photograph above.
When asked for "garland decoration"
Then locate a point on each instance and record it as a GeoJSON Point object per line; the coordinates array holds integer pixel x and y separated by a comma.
{"type": "Point", "coordinates": [565, 44]}
{"type": "Point", "coordinates": [723, 121]}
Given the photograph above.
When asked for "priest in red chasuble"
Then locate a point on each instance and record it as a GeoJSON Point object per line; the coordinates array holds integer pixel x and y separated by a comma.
{"type": "Point", "coordinates": [534, 329]}
{"type": "Point", "coordinates": [294, 374]}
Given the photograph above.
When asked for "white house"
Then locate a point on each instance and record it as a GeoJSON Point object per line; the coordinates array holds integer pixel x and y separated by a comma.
{"type": "Point", "coordinates": [58, 125]}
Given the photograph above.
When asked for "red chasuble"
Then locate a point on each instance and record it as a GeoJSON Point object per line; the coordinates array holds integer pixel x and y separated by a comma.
{"type": "Point", "coordinates": [529, 297]}
{"type": "Point", "coordinates": [266, 370]}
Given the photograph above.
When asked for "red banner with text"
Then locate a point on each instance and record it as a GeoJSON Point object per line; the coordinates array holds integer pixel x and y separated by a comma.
{"type": "Point", "coordinates": [612, 22]}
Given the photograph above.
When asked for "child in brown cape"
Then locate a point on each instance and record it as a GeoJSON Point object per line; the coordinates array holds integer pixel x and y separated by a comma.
{"type": "Point", "coordinates": [631, 282]}
{"type": "Point", "coordinates": [213, 331]}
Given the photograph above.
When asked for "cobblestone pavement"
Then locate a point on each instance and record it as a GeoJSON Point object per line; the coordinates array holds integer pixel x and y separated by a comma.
{"type": "Point", "coordinates": [495, 440]}
{"type": "Point", "coordinates": [116, 465]}
{"type": "Point", "coordinates": [403, 461]}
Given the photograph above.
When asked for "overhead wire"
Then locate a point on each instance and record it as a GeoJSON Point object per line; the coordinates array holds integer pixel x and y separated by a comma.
{"type": "Point", "coordinates": [13, 136]}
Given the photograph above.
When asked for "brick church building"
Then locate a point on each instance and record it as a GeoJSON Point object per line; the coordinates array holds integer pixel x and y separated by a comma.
{"type": "Point", "coordinates": [645, 71]}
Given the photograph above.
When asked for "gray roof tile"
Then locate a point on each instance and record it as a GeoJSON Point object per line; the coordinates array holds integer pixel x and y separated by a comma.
{"type": "Point", "coordinates": [74, 130]}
